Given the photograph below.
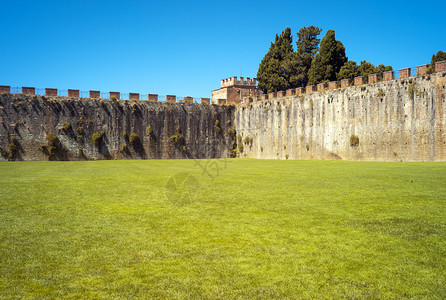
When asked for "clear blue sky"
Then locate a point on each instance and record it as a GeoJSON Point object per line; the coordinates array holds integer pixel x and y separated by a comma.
{"type": "Point", "coordinates": [186, 47]}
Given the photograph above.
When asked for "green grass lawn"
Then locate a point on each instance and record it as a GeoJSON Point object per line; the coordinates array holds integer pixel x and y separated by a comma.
{"type": "Point", "coordinates": [222, 229]}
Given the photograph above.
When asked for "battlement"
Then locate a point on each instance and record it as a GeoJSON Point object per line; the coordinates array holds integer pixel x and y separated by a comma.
{"type": "Point", "coordinates": [94, 94]}
{"type": "Point", "coordinates": [233, 81]}
{"type": "Point", "coordinates": [357, 81]}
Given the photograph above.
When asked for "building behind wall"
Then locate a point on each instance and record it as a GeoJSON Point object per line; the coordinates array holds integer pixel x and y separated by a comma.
{"type": "Point", "coordinates": [234, 90]}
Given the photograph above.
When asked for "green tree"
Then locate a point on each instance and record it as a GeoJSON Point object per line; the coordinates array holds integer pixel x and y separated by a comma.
{"type": "Point", "coordinates": [328, 62]}
{"type": "Point", "coordinates": [271, 75]}
{"type": "Point", "coordinates": [349, 70]}
{"type": "Point", "coordinates": [382, 68]}
{"type": "Point", "coordinates": [291, 67]}
{"type": "Point", "coordinates": [436, 58]}
{"type": "Point", "coordinates": [366, 68]}
{"type": "Point", "coordinates": [439, 57]}
{"type": "Point", "coordinates": [297, 64]}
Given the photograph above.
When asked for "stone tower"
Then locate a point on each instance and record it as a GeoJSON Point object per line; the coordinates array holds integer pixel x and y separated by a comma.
{"type": "Point", "coordinates": [234, 90]}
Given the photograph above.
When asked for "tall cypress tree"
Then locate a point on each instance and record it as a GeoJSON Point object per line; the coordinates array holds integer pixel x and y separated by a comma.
{"type": "Point", "coordinates": [271, 75]}
{"type": "Point", "coordinates": [297, 64]}
{"type": "Point", "coordinates": [328, 62]}
{"type": "Point", "coordinates": [307, 47]}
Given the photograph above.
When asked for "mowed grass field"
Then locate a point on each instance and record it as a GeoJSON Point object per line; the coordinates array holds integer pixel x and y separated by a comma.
{"type": "Point", "coordinates": [222, 229]}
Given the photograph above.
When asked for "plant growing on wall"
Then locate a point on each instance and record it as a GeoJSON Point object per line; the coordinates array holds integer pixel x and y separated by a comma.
{"type": "Point", "coordinates": [233, 145]}
{"type": "Point", "coordinates": [240, 148]}
{"type": "Point", "coordinates": [54, 147]}
{"type": "Point", "coordinates": [124, 148]}
{"type": "Point", "coordinates": [4, 152]}
{"type": "Point", "coordinates": [80, 151]}
{"type": "Point", "coordinates": [66, 126]}
{"type": "Point", "coordinates": [354, 140]}
{"type": "Point", "coordinates": [13, 147]}
{"type": "Point", "coordinates": [248, 141]}
{"type": "Point", "coordinates": [380, 94]}
{"type": "Point", "coordinates": [217, 126]}
{"type": "Point", "coordinates": [134, 139]}
{"type": "Point", "coordinates": [97, 137]}
{"type": "Point", "coordinates": [178, 140]}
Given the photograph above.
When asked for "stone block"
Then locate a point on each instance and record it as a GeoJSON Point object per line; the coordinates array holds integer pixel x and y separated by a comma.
{"type": "Point", "coordinates": [404, 73]}
{"type": "Point", "coordinates": [310, 88]}
{"type": "Point", "coordinates": [117, 95]}
{"type": "Point", "coordinates": [94, 94]}
{"type": "Point", "coordinates": [373, 78]}
{"type": "Point", "coordinates": [289, 93]}
{"type": "Point", "coordinates": [421, 70]}
{"type": "Point", "coordinates": [332, 85]}
{"type": "Point", "coordinates": [133, 96]}
{"type": "Point", "coordinates": [171, 98]}
{"type": "Point", "coordinates": [26, 90]}
{"type": "Point", "coordinates": [152, 97]}
{"type": "Point", "coordinates": [5, 89]}
{"type": "Point", "coordinates": [360, 80]}
{"type": "Point", "coordinates": [300, 91]}
{"type": "Point", "coordinates": [205, 100]}
{"type": "Point", "coordinates": [346, 82]}
{"type": "Point", "coordinates": [271, 95]}
{"type": "Point", "coordinates": [50, 92]}
{"type": "Point", "coordinates": [280, 94]}
{"type": "Point", "coordinates": [321, 87]}
{"type": "Point", "coordinates": [73, 93]}
{"type": "Point", "coordinates": [388, 75]}
{"type": "Point", "coordinates": [188, 100]}
{"type": "Point", "coordinates": [440, 66]}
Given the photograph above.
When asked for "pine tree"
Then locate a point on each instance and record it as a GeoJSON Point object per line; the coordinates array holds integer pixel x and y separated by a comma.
{"type": "Point", "coordinates": [271, 75]}
{"type": "Point", "coordinates": [297, 64]}
{"type": "Point", "coordinates": [328, 62]}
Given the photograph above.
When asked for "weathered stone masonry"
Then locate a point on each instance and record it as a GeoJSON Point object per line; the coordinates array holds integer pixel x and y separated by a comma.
{"type": "Point", "coordinates": [395, 119]}
{"type": "Point", "coordinates": [402, 119]}
{"type": "Point", "coordinates": [31, 118]}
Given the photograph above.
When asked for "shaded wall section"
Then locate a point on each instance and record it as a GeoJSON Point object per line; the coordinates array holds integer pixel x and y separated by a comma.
{"type": "Point", "coordinates": [176, 130]}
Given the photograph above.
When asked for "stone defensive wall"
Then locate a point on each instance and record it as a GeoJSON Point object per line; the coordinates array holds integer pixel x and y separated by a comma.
{"type": "Point", "coordinates": [386, 119]}
{"type": "Point", "coordinates": [48, 127]}
{"type": "Point", "coordinates": [400, 119]}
